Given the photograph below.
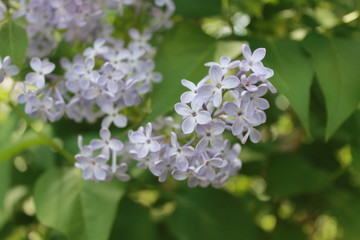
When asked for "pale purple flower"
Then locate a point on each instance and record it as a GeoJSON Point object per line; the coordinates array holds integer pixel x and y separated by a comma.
{"type": "Point", "coordinates": [225, 64]}
{"type": "Point", "coordinates": [106, 143]}
{"type": "Point", "coordinates": [98, 49]}
{"type": "Point", "coordinates": [145, 142]}
{"type": "Point", "coordinates": [253, 60]}
{"type": "Point", "coordinates": [237, 111]}
{"type": "Point", "coordinates": [220, 84]}
{"type": "Point", "coordinates": [41, 69]}
{"type": "Point", "coordinates": [120, 172]}
{"type": "Point", "coordinates": [192, 116]}
{"type": "Point", "coordinates": [210, 133]}
{"type": "Point", "coordinates": [110, 77]}
{"type": "Point", "coordinates": [113, 116]}
{"type": "Point", "coordinates": [249, 82]}
{"type": "Point", "coordinates": [86, 73]}
{"type": "Point", "coordinates": [180, 153]}
{"type": "Point", "coordinates": [254, 100]}
{"type": "Point", "coordinates": [207, 169]}
{"type": "Point", "coordinates": [193, 95]}
{"type": "Point", "coordinates": [7, 68]}
{"type": "Point", "coordinates": [94, 168]}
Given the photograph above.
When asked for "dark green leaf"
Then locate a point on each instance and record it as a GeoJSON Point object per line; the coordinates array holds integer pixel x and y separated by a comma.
{"type": "Point", "coordinates": [336, 67]}
{"type": "Point", "coordinates": [345, 206]}
{"type": "Point", "coordinates": [211, 214]}
{"type": "Point", "coordinates": [197, 8]}
{"type": "Point", "coordinates": [83, 210]}
{"type": "Point", "coordinates": [133, 222]}
{"type": "Point", "coordinates": [289, 175]}
{"type": "Point", "coordinates": [287, 230]}
{"type": "Point", "coordinates": [14, 42]}
{"type": "Point", "coordinates": [293, 73]}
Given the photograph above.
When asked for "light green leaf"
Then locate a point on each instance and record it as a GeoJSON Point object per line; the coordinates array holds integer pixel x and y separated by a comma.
{"type": "Point", "coordinates": [211, 214]}
{"type": "Point", "coordinates": [293, 74]}
{"type": "Point", "coordinates": [337, 70]}
{"type": "Point", "coordinates": [14, 42]}
{"type": "Point", "coordinates": [83, 210]}
{"type": "Point", "coordinates": [289, 175]}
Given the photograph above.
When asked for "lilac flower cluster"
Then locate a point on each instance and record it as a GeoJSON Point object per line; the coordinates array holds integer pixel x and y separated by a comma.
{"type": "Point", "coordinates": [88, 92]}
{"type": "Point", "coordinates": [80, 20]}
{"type": "Point", "coordinates": [101, 83]}
{"type": "Point", "coordinates": [219, 102]}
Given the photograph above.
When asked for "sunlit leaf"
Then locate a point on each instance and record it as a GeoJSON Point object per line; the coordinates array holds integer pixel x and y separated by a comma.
{"type": "Point", "coordinates": [14, 42]}
{"type": "Point", "coordinates": [83, 210]}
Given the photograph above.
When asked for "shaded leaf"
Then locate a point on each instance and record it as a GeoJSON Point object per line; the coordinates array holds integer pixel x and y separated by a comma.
{"type": "Point", "coordinates": [289, 175]}
{"type": "Point", "coordinates": [81, 209]}
{"type": "Point", "coordinates": [211, 214]}
{"type": "Point", "coordinates": [197, 8]}
{"type": "Point", "coordinates": [345, 206]}
{"type": "Point", "coordinates": [336, 66]}
{"type": "Point", "coordinates": [131, 216]}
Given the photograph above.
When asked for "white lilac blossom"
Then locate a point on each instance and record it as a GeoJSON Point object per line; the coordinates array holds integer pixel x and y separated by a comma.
{"type": "Point", "coordinates": [7, 69]}
{"type": "Point", "coordinates": [204, 156]}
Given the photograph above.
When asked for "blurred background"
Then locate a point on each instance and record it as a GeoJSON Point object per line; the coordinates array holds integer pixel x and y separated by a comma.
{"type": "Point", "coordinates": [302, 181]}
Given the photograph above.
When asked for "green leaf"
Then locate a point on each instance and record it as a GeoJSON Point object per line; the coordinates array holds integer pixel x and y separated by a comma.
{"type": "Point", "coordinates": [287, 230]}
{"type": "Point", "coordinates": [293, 74]}
{"type": "Point", "coordinates": [181, 55]}
{"type": "Point", "coordinates": [5, 181]}
{"type": "Point", "coordinates": [197, 8]}
{"type": "Point", "coordinates": [345, 206]}
{"type": "Point", "coordinates": [289, 175]}
{"type": "Point", "coordinates": [83, 210]}
{"type": "Point", "coordinates": [336, 67]}
{"type": "Point", "coordinates": [14, 42]}
{"type": "Point", "coordinates": [211, 214]}
{"type": "Point", "coordinates": [133, 222]}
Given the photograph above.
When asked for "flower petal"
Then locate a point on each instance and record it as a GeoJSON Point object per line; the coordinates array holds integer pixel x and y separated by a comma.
{"type": "Point", "coordinates": [259, 54]}
{"type": "Point", "coordinates": [188, 125]}
{"type": "Point", "coordinates": [183, 109]}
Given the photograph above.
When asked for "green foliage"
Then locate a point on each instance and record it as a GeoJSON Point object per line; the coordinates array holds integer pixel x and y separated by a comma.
{"type": "Point", "coordinates": [67, 203]}
{"type": "Point", "coordinates": [198, 8]}
{"type": "Point", "coordinates": [133, 221]}
{"type": "Point", "coordinates": [309, 187]}
{"type": "Point", "coordinates": [211, 214]}
{"type": "Point", "coordinates": [286, 171]}
{"type": "Point", "coordinates": [336, 68]}
{"type": "Point", "coordinates": [14, 42]}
